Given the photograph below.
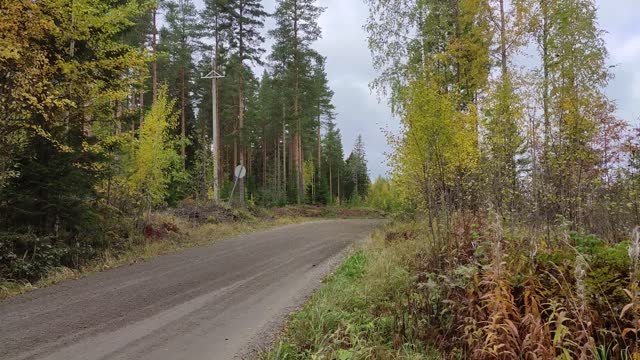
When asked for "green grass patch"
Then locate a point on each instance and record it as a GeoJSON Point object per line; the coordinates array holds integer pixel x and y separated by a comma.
{"type": "Point", "coordinates": [352, 315]}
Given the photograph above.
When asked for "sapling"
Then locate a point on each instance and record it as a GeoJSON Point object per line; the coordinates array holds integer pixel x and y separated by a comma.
{"type": "Point", "coordinates": [634, 256]}
{"type": "Point", "coordinates": [580, 273]}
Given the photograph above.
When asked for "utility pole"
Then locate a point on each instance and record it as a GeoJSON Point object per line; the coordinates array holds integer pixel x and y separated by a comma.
{"type": "Point", "coordinates": [214, 75]}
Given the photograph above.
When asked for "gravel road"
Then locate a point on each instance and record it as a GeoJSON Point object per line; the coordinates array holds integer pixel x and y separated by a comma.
{"type": "Point", "coordinates": [223, 301]}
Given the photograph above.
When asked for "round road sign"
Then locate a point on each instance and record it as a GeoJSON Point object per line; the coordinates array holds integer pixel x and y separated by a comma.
{"type": "Point", "coordinates": [240, 171]}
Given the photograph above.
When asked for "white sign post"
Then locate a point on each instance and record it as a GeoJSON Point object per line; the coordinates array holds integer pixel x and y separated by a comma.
{"type": "Point", "coordinates": [239, 173]}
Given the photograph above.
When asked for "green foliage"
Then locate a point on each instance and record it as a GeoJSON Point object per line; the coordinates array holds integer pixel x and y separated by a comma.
{"type": "Point", "coordinates": [58, 78]}
{"type": "Point", "coordinates": [318, 191]}
{"type": "Point", "coordinates": [155, 161]}
{"type": "Point", "coordinates": [27, 257]}
{"type": "Point", "coordinates": [505, 144]}
{"type": "Point", "coordinates": [87, 148]}
{"type": "Point", "coordinates": [384, 195]}
{"type": "Point", "coordinates": [469, 303]}
{"type": "Point", "coordinates": [333, 160]}
{"type": "Point", "coordinates": [357, 182]}
{"type": "Point", "coordinates": [436, 157]}
{"type": "Point", "coordinates": [353, 315]}
{"type": "Point", "coordinates": [478, 130]}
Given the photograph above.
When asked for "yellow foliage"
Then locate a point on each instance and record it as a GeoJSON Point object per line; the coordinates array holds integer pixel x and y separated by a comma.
{"type": "Point", "coordinates": [383, 195]}
{"type": "Point", "coordinates": [155, 155]}
{"type": "Point", "coordinates": [438, 145]}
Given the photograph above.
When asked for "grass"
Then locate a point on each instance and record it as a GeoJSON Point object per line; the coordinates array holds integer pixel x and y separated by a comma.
{"type": "Point", "coordinates": [483, 292]}
{"type": "Point", "coordinates": [189, 235]}
{"type": "Point", "coordinates": [352, 316]}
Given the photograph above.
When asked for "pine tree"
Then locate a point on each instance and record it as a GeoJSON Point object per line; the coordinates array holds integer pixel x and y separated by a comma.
{"type": "Point", "coordinates": [296, 29]}
{"type": "Point", "coordinates": [325, 111]}
{"type": "Point", "coordinates": [244, 20]}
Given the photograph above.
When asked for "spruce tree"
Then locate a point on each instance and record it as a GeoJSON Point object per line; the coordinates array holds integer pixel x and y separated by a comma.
{"type": "Point", "coordinates": [58, 82]}
{"type": "Point", "coordinates": [333, 158]}
{"type": "Point", "coordinates": [179, 39]}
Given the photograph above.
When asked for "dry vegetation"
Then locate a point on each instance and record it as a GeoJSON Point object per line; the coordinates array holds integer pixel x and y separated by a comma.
{"type": "Point", "coordinates": [486, 292]}
{"type": "Point", "coordinates": [329, 212]}
{"type": "Point", "coordinates": [164, 232]}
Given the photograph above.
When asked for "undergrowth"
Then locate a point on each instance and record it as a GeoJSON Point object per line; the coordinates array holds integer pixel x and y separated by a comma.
{"type": "Point", "coordinates": [483, 292]}
{"type": "Point", "coordinates": [162, 233]}
{"type": "Point", "coordinates": [354, 314]}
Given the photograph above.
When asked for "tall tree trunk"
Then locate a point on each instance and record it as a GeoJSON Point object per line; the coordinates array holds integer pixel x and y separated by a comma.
{"type": "Point", "coordinates": [319, 141]}
{"type": "Point", "coordinates": [118, 117]}
{"type": "Point", "coordinates": [241, 105]}
{"type": "Point", "coordinates": [284, 151]}
{"type": "Point", "coordinates": [215, 115]}
{"type": "Point", "coordinates": [183, 117]}
{"type": "Point", "coordinates": [330, 183]}
{"type": "Point", "coordinates": [339, 198]}
{"type": "Point", "coordinates": [248, 156]}
{"type": "Point", "coordinates": [154, 65]}
{"type": "Point", "coordinates": [296, 110]}
{"type": "Point", "coordinates": [264, 158]}
{"type": "Point", "coordinates": [224, 170]}
{"type": "Point", "coordinates": [547, 120]}
{"type": "Point", "coordinates": [501, 118]}
{"type": "Point", "coordinates": [545, 68]}
{"type": "Point", "coordinates": [215, 138]}
{"type": "Point", "coordinates": [292, 162]}
{"type": "Point", "coordinates": [220, 160]}
{"type": "Point", "coordinates": [241, 117]}
{"type": "Point", "coordinates": [235, 153]}
{"type": "Point", "coordinates": [503, 40]}
{"type": "Point", "coordinates": [276, 165]}
{"type": "Point", "coordinates": [301, 189]}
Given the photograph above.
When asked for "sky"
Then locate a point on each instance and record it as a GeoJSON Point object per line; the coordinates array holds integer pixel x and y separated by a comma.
{"type": "Point", "coordinates": [349, 69]}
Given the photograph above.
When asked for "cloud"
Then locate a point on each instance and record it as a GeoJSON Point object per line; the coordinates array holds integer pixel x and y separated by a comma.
{"type": "Point", "coordinates": [622, 37]}
{"type": "Point", "coordinates": [349, 67]}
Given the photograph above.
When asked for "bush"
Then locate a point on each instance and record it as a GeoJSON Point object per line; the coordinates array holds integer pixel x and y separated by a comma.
{"type": "Point", "coordinates": [28, 257]}
{"type": "Point", "coordinates": [383, 196]}
{"type": "Point", "coordinates": [483, 292]}
{"type": "Point", "coordinates": [357, 313]}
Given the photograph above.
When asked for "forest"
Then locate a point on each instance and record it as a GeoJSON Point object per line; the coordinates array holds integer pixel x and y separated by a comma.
{"type": "Point", "coordinates": [513, 200]}
{"type": "Point", "coordinates": [111, 110]}
{"type": "Point", "coordinates": [517, 232]}
{"type": "Point", "coordinates": [537, 144]}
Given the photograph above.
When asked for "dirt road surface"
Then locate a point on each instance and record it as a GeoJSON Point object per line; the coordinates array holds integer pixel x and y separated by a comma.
{"type": "Point", "coordinates": [223, 301]}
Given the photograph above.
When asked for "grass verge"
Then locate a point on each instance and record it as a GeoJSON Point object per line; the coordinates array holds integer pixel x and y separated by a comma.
{"type": "Point", "coordinates": [186, 235]}
{"type": "Point", "coordinates": [352, 315]}
{"type": "Point", "coordinates": [483, 291]}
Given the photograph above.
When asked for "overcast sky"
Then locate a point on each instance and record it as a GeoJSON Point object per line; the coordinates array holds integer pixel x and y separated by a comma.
{"type": "Point", "coordinates": [349, 68]}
